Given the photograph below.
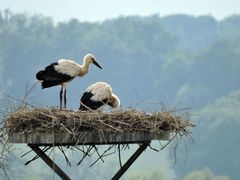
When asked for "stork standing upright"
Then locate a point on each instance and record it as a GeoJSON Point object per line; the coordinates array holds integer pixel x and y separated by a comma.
{"type": "Point", "coordinates": [96, 96]}
{"type": "Point", "coordinates": [62, 72]}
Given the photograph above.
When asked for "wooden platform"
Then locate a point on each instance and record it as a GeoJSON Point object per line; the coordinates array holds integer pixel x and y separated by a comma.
{"type": "Point", "coordinates": [35, 140]}
{"type": "Point", "coordinates": [87, 138]}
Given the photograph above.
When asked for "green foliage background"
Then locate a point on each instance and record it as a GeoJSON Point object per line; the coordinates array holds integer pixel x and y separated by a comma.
{"type": "Point", "coordinates": [181, 60]}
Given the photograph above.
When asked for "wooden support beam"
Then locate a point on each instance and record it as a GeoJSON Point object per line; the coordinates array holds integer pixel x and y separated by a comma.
{"type": "Point", "coordinates": [88, 138]}
{"type": "Point", "coordinates": [49, 162]}
{"type": "Point", "coordinates": [130, 161]}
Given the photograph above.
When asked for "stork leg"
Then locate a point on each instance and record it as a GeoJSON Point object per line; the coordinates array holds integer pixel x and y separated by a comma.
{"type": "Point", "coordinates": [61, 94]}
{"type": "Point", "coordinates": [65, 99]}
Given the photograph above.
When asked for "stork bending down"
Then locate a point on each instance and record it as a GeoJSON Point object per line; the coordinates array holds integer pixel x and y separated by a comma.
{"type": "Point", "coordinates": [96, 96]}
{"type": "Point", "coordinates": [62, 72]}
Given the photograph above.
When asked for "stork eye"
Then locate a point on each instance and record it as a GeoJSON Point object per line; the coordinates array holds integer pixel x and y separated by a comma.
{"type": "Point", "coordinates": [93, 59]}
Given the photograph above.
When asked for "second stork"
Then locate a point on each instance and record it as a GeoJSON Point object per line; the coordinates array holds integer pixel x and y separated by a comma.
{"type": "Point", "coordinates": [96, 96]}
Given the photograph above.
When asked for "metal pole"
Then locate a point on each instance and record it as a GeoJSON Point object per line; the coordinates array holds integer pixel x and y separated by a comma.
{"type": "Point", "coordinates": [130, 161]}
{"type": "Point", "coordinates": [49, 162]}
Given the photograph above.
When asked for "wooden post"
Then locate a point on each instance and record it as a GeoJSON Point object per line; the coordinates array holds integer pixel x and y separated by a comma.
{"type": "Point", "coordinates": [49, 162]}
{"type": "Point", "coordinates": [130, 161]}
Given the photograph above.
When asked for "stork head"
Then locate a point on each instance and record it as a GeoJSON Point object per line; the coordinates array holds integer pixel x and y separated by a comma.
{"type": "Point", "coordinates": [114, 101]}
{"type": "Point", "coordinates": [89, 58]}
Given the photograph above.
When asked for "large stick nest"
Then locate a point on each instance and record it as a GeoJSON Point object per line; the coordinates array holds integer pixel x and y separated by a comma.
{"type": "Point", "coordinates": [44, 120]}
{"type": "Point", "coordinates": [52, 120]}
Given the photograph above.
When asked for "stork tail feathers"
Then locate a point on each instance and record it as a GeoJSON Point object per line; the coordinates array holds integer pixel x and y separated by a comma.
{"type": "Point", "coordinates": [47, 84]}
{"type": "Point", "coordinates": [40, 75]}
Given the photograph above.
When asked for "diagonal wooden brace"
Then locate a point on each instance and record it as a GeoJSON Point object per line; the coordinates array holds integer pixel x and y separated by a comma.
{"type": "Point", "coordinates": [49, 162]}
{"type": "Point", "coordinates": [130, 161]}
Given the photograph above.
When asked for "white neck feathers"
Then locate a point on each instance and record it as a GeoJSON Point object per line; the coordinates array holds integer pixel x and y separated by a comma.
{"type": "Point", "coordinates": [84, 68]}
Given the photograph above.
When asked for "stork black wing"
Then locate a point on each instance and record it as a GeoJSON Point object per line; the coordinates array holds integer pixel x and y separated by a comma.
{"type": "Point", "coordinates": [51, 77]}
{"type": "Point", "coordinates": [86, 103]}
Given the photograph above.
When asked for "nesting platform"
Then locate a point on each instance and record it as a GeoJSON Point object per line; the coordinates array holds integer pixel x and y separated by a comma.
{"type": "Point", "coordinates": [35, 140]}
{"type": "Point", "coordinates": [87, 138]}
{"type": "Point", "coordinates": [50, 127]}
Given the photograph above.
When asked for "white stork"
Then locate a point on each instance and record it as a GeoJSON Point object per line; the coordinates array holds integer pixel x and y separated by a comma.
{"type": "Point", "coordinates": [96, 96]}
{"type": "Point", "coordinates": [64, 71]}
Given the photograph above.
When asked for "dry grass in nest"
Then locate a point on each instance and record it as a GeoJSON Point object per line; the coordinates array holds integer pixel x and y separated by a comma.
{"type": "Point", "coordinates": [52, 120]}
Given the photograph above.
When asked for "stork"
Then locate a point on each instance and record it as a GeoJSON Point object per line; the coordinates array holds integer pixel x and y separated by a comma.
{"type": "Point", "coordinates": [62, 72]}
{"type": "Point", "coordinates": [96, 96]}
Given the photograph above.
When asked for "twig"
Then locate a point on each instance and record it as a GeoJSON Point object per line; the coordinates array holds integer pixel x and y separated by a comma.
{"type": "Point", "coordinates": [153, 148]}
{"type": "Point", "coordinates": [21, 101]}
{"type": "Point", "coordinates": [85, 154]}
{"type": "Point", "coordinates": [26, 153]}
{"type": "Point", "coordinates": [82, 151]}
{"type": "Point", "coordinates": [169, 141]}
{"type": "Point", "coordinates": [67, 160]}
{"type": "Point", "coordinates": [100, 157]}
{"type": "Point", "coordinates": [119, 156]}
{"type": "Point", "coordinates": [98, 153]}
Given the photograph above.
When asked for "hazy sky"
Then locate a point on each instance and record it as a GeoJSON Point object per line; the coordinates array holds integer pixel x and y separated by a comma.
{"type": "Point", "coordinates": [98, 10]}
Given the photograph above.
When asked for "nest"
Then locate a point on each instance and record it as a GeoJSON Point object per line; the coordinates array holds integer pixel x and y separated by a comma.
{"type": "Point", "coordinates": [52, 120]}
{"type": "Point", "coordinates": [48, 120]}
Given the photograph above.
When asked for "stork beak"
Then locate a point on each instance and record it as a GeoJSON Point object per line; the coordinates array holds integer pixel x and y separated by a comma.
{"type": "Point", "coordinates": [95, 62]}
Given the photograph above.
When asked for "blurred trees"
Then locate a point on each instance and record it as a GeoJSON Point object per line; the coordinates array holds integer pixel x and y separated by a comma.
{"type": "Point", "coordinates": [150, 51]}
{"type": "Point", "coordinates": [164, 174]}
{"type": "Point", "coordinates": [216, 146]}
{"type": "Point", "coordinates": [1, 76]}
{"type": "Point", "coordinates": [156, 174]}
{"type": "Point", "coordinates": [179, 60]}
{"type": "Point", "coordinates": [204, 174]}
